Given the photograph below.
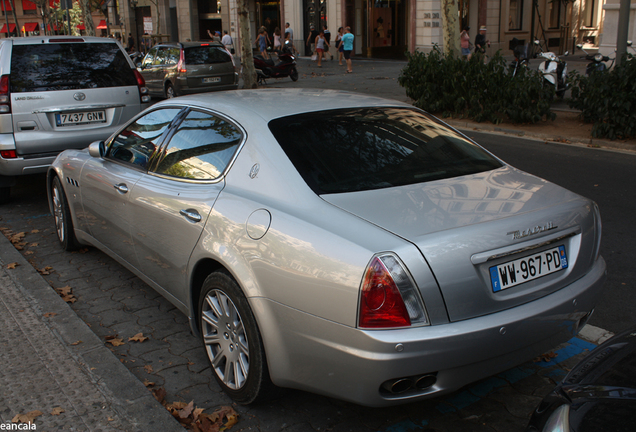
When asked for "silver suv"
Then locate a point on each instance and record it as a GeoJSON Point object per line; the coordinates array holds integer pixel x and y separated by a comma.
{"type": "Point", "coordinates": [61, 92]}
{"type": "Point", "coordinates": [179, 68]}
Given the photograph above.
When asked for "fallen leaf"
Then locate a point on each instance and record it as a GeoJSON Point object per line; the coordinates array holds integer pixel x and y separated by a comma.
{"type": "Point", "coordinates": [139, 337]}
{"type": "Point", "coordinates": [545, 357]}
{"type": "Point", "coordinates": [148, 369]}
{"type": "Point", "coordinates": [116, 342]}
{"type": "Point", "coordinates": [187, 410]}
{"type": "Point", "coordinates": [76, 343]}
{"type": "Point", "coordinates": [34, 244]}
{"type": "Point", "coordinates": [12, 265]}
{"type": "Point", "coordinates": [26, 418]}
{"type": "Point", "coordinates": [29, 253]}
{"type": "Point", "coordinates": [45, 271]}
{"type": "Point", "coordinates": [159, 394]}
{"type": "Point", "coordinates": [64, 290]}
{"type": "Point", "coordinates": [148, 383]}
{"type": "Point", "coordinates": [57, 411]}
{"type": "Point", "coordinates": [49, 314]}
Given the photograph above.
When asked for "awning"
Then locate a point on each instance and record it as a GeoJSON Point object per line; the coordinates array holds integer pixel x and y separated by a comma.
{"type": "Point", "coordinates": [81, 27]}
{"type": "Point", "coordinates": [7, 5]}
{"type": "Point", "coordinates": [29, 27]}
{"type": "Point", "coordinates": [4, 28]}
{"type": "Point", "coordinates": [28, 5]}
{"type": "Point", "coordinates": [102, 25]}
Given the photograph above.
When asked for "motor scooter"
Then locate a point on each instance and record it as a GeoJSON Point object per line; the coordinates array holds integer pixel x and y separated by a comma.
{"type": "Point", "coordinates": [554, 69]}
{"type": "Point", "coordinates": [286, 66]}
{"type": "Point", "coordinates": [597, 61]}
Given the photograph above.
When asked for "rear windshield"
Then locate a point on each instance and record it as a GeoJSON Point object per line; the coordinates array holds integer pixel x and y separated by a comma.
{"type": "Point", "coordinates": [199, 55]}
{"type": "Point", "coordinates": [351, 150]}
{"type": "Point", "coordinates": [68, 66]}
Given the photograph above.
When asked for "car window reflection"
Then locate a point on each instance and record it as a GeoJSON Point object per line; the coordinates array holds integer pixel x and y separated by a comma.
{"type": "Point", "coordinates": [138, 143]}
{"type": "Point", "coordinates": [201, 149]}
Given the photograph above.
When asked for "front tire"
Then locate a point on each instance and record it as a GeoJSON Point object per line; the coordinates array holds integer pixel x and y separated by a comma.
{"type": "Point", "coordinates": [62, 215]}
{"type": "Point", "coordinates": [232, 340]}
{"type": "Point", "coordinates": [293, 74]}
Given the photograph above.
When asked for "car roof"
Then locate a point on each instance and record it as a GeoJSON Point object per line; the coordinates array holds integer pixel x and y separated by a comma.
{"type": "Point", "coordinates": [268, 104]}
{"type": "Point", "coordinates": [30, 40]}
{"type": "Point", "coordinates": [190, 44]}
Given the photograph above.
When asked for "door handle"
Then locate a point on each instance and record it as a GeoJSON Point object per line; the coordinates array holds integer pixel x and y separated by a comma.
{"type": "Point", "coordinates": [121, 187]}
{"type": "Point", "coordinates": [191, 214]}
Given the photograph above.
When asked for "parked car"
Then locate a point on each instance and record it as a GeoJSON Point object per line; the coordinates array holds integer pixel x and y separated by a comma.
{"type": "Point", "coordinates": [180, 68]}
{"type": "Point", "coordinates": [61, 92]}
{"type": "Point", "coordinates": [342, 244]}
{"type": "Point", "coordinates": [598, 394]}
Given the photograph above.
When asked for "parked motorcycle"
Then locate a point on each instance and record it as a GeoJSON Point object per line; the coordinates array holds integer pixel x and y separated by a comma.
{"type": "Point", "coordinates": [554, 69]}
{"type": "Point", "coordinates": [520, 52]}
{"type": "Point", "coordinates": [286, 66]}
{"type": "Point", "coordinates": [598, 62]}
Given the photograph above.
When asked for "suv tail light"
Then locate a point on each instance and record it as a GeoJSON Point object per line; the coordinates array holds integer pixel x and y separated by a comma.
{"type": "Point", "coordinates": [143, 90]}
{"type": "Point", "coordinates": [181, 66]}
{"type": "Point", "coordinates": [5, 100]}
{"type": "Point", "coordinates": [389, 297]}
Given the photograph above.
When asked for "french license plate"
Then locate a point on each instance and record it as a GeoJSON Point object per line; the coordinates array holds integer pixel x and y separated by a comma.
{"type": "Point", "coordinates": [80, 118]}
{"type": "Point", "coordinates": [211, 80]}
{"type": "Point", "coordinates": [528, 268]}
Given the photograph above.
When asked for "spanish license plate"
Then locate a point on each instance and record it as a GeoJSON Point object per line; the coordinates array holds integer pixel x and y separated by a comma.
{"type": "Point", "coordinates": [80, 118]}
{"type": "Point", "coordinates": [528, 268]}
{"type": "Point", "coordinates": [211, 80]}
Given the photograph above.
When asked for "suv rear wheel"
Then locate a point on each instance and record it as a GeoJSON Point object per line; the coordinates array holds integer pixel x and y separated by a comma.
{"type": "Point", "coordinates": [170, 92]}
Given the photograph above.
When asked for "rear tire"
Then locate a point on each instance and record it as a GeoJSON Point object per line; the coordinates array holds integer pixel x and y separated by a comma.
{"type": "Point", "coordinates": [63, 220]}
{"type": "Point", "coordinates": [232, 340]}
{"type": "Point", "coordinates": [170, 92]}
{"type": "Point", "coordinates": [293, 74]}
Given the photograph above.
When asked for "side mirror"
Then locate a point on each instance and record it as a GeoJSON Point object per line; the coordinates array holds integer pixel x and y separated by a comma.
{"type": "Point", "coordinates": [580, 46]}
{"type": "Point", "coordinates": [629, 43]}
{"type": "Point", "coordinates": [567, 53]}
{"type": "Point", "coordinates": [97, 149]}
{"type": "Point", "coordinates": [536, 42]}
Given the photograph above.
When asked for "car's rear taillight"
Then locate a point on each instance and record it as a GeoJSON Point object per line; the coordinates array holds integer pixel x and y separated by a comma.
{"type": "Point", "coordinates": [181, 66]}
{"type": "Point", "coordinates": [8, 154]}
{"type": "Point", "coordinates": [143, 90]}
{"type": "Point", "coordinates": [389, 297]}
{"type": "Point", "coordinates": [5, 100]}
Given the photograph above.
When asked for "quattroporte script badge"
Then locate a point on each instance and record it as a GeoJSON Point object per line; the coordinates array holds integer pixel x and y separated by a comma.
{"type": "Point", "coordinates": [516, 235]}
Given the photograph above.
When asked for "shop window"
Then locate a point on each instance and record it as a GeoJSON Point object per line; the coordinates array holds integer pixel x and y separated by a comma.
{"type": "Point", "coordinates": [588, 13]}
{"type": "Point", "coordinates": [554, 14]}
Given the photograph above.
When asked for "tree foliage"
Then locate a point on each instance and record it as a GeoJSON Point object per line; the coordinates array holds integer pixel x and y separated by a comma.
{"type": "Point", "coordinates": [608, 99]}
{"type": "Point", "coordinates": [450, 86]}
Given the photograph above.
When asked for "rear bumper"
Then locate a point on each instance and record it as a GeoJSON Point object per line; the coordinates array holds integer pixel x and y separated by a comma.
{"type": "Point", "coordinates": [309, 353]}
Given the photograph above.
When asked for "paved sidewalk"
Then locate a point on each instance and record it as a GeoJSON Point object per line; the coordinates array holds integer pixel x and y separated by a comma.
{"type": "Point", "coordinates": [54, 368]}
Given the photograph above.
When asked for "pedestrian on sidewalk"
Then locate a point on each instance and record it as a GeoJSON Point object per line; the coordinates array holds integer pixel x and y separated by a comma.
{"type": "Point", "coordinates": [339, 45]}
{"type": "Point", "coordinates": [321, 46]}
{"type": "Point", "coordinates": [227, 42]}
{"type": "Point", "coordinates": [277, 42]}
{"type": "Point", "coordinates": [481, 41]}
{"type": "Point", "coordinates": [347, 42]}
{"type": "Point", "coordinates": [311, 40]}
{"type": "Point", "coordinates": [328, 39]}
{"type": "Point", "coordinates": [464, 42]}
{"type": "Point", "coordinates": [261, 42]}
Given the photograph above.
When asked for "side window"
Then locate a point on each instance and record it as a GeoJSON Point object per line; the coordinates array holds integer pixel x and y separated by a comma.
{"type": "Point", "coordinates": [201, 149]}
{"type": "Point", "coordinates": [163, 56]}
{"type": "Point", "coordinates": [149, 57]}
{"type": "Point", "coordinates": [173, 56]}
{"type": "Point", "coordinates": [138, 143]}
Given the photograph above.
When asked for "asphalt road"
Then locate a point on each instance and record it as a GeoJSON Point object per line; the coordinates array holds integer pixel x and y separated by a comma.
{"type": "Point", "coordinates": [607, 177]}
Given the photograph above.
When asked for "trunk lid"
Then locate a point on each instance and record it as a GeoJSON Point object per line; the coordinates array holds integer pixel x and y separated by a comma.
{"type": "Point", "coordinates": [466, 227]}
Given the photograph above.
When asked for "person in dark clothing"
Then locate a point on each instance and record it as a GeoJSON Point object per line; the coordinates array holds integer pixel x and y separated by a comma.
{"type": "Point", "coordinates": [311, 40]}
{"type": "Point", "coordinates": [481, 41]}
{"type": "Point", "coordinates": [131, 43]}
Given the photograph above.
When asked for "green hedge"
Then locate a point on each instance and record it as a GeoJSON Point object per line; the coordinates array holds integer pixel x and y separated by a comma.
{"type": "Point", "coordinates": [608, 99]}
{"type": "Point", "coordinates": [474, 89]}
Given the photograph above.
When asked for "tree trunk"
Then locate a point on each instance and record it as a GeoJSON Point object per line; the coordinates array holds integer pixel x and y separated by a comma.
{"type": "Point", "coordinates": [450, 31]}
{"type": "Point", "coordinates": [247, 60]}
{"type": "Point", "coordinates": [87, 16]}
{"type": "Point", "coordinates": [15, 18]}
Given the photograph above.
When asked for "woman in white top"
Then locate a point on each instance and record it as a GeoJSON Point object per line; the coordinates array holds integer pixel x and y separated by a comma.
{"type": "Point", "coordinates": [321, 43]}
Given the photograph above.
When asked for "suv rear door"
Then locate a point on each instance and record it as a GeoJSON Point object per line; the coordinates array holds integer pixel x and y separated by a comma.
{"type": "Point", "coordinates": [68, 92]}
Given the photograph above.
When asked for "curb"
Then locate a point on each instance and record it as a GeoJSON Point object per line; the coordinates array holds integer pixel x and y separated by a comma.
{"type": "Point", "coordinates": [129, 397]}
